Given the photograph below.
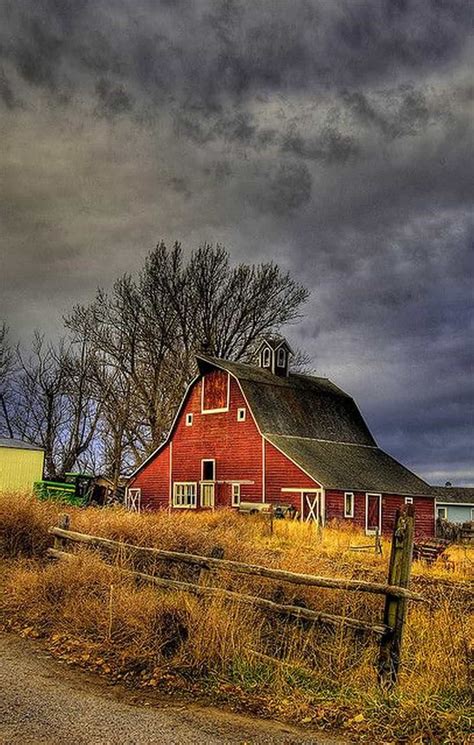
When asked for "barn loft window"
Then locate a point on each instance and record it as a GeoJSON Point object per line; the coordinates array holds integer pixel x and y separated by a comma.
{"type": "Point", "coordinates": [184, 494]}
{"type": "Point", "coordinates": [235, 495]}
{"type": "Point", "coordinates": [348, 504]}
{"type": "Point", "coordinates": [208, 469]}
{"type": "Point", "coordinates": [241, 414]}
{"type": "Point", "coordinates": [281, 357]}
{"type": "Point", "coordinates": [266, 357]}
{"type": "Point", "coordinates": [215, 392]}
{"type": "Point", "coordinates": [189, 420]}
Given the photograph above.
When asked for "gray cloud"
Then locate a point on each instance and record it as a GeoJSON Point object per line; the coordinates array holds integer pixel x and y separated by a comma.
{"type": "Point", "coordinates": [335, 137]}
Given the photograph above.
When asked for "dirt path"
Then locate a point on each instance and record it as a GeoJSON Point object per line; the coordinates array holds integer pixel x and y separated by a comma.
{"type": "Point", "coordinates": [44, 701]}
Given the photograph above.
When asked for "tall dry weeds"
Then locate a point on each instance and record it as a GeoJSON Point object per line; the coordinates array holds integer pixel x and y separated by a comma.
{"type": "Point", "coordinates": [294, 670]}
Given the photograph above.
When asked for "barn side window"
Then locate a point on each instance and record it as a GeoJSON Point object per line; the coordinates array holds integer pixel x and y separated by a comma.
{"type": "Point", "coordinates": [266, 357]}
{"type": "Point", "coordinates": [281, 358]}
{"type": "Point", "coordinates": [348, 504]}
{"type": "Point", "coordinates": [408, 500]}
{"type": "Point", "coordinates": [241, 414]}
{"type": "Point", "coordinates": [184, 494]}
{"type": "Point", "coordinates": [189, 420]}
{"type": "Point", "coordinates": [235, 495]}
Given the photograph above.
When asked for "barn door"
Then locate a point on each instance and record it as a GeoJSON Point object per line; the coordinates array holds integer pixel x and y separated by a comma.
{"type": "Point", "coordinates": [373, 513]}
{"type": "Point", "coordinates": [311, 507]}
{"type": "Point", "coordinates": [133, 500]}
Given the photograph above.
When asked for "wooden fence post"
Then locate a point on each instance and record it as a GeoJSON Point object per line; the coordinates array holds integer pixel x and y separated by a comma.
{"type": "Point", "coordinates": [395, 607]}
{"type": "Point", "coordinates": [63, 522]}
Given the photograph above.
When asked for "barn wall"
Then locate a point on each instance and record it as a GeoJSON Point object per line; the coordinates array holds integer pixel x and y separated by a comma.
{"type": "Point", "coordinates": [153, 480]}
{"type": "Point", "coordinates": [280, 472]}
{"type": "Point", "coordinates": [335, 507]}
{"type": "Point", "coordinates": [424, 511]}
{"type": "Point", "coordinates": [235, 445]}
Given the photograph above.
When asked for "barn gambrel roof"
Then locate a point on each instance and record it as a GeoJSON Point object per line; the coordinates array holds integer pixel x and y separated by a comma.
{"type": "Point", "coordinates": [317, 426]}
{"type": "Point", "coordinates": [320, 428]}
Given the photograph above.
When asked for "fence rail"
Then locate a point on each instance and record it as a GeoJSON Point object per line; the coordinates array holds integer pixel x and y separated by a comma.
{"type": "Point", "coordinates": [395, 590]}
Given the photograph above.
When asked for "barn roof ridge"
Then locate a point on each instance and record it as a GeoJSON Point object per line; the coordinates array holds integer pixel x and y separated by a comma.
{"type": "Point", "coordinates": [298, 405]}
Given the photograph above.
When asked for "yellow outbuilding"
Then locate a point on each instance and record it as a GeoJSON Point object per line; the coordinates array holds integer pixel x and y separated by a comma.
{"type": "Point", "coordinates": [20, 465]}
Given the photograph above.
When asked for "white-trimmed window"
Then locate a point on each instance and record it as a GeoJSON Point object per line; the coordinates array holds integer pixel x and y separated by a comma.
{"type": "Point", "coordinates": [266, 357]}
{"type": "Point", "coordinates": [281, 357]}
{"type": "Point", "coordinates": [348, 504]}
{"type": "Point", "coordinates": [235, 495]}
{"type": "Point", "coordinates": [408, 500]}
{"type": "Point", "coordinates": [184, 494]}
{"type": "Point", "coordinates": [442, 513]}
{"type": "Point", "coordinates": [241, 414]}
{"type": "Point", "coordinates": [472, 514]}
{"type": "Point", "coordinates": [189, 420]}
{"type": "Point", "coordinates": [207, 494]}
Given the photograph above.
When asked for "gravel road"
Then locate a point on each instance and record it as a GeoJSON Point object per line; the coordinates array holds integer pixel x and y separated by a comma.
{"type": "Point", "coordinates": [45, 701]}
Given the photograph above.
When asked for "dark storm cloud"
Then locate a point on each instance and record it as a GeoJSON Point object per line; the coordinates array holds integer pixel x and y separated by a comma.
{"type": "Point", "coordinates": [333, 136]}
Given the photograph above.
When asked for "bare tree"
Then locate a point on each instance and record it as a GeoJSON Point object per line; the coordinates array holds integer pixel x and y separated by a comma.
{"type": "Point", "coordinates": [146, 330]}
{"type": "Point", "coordinates": [56, 406]}
{"type": "Point", "coordinates": [6, 370]}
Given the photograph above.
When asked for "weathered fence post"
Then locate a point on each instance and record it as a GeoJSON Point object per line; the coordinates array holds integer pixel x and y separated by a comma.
{"type": "Point", "coordinates": [63, 522]}
{"type": "Point", "coordinates": [395, 607]}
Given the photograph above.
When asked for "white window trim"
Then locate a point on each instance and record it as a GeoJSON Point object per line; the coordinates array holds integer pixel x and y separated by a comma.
{"type": "Point", "coordinates": [408, 500]}
{"type": "Point", "coordinates": [235, 496]}
{"type": "Point", "coordinates": [184, 506]}
{"type": "Point", "coordinates": [367, 495]}
{"type": "Point", "coordinates": [215, 411]}
{"type": "Point", "coordinates": [189, 420]}
{"type": "Point", "coordinates": [445, 510]}
{"type": "Point", "coordinates": [281, 357]}
{"type": "Point", "coordinates": [472, 514]}
{"type": "Point", "coordinates": [241, 414]}
{"type": "Point", "coordinates": [266, 357]}
{"type": "Point", "coordinates": [208, 460]}
{"type": "Point", "coordinates": [351, 511]}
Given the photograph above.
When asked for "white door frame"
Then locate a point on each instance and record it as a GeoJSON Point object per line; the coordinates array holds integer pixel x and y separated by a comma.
{"type": "Point", "coordinates": [133, 499]}
{"type": "Point", "coordinates": [367, 495]}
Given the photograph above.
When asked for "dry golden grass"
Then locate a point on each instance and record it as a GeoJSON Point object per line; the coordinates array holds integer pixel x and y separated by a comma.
{"type": "Point", "coordinates": [90, 612]}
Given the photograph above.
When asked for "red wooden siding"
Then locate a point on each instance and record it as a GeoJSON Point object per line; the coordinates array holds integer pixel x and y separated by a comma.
{"type": "Point", "coordinates": [215, 390]}
{"type": "Point", "coordinates": [282, 473]}
{"type": "Point", "coordinates": [424, 511]}
{"type": "Point", "coordinates": [235, 445]}
{"type": "Point", "coordinates": [153, 480]}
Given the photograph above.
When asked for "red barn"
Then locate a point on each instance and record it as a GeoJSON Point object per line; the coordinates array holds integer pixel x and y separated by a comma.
{"type": "Point", "coordinates": [261, 434]}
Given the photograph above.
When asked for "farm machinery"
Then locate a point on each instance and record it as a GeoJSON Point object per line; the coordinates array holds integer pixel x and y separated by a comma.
{"type": "Point", "coordinates": [78, 489]}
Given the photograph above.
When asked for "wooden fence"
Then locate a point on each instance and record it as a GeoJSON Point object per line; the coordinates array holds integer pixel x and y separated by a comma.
{"type": "Point", "coordinates": [396, 592]}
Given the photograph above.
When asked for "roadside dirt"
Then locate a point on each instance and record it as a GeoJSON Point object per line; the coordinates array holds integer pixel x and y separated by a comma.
{"type": "Point", "coordinates": [43, 700]}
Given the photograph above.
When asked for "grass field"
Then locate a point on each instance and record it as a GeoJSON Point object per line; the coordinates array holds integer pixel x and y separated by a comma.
{"type": "Point", "coordinates": [88, 612]}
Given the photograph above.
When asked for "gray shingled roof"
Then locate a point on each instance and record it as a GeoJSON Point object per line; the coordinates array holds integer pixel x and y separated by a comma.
{"type": "Point", "coordinates": [338, 465]}
{"type": "Point", "coordinates": [454, 494]}
{"type": "Point", "coordinates": [321, 429]}
{"type": "Point", "coordinates": [7, 442]}
{"type": "Point", "coordinates": [298, 405]}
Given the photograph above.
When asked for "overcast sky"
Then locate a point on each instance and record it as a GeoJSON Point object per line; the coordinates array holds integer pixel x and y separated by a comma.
{"type": "Point", "coordinates": [333, 137]}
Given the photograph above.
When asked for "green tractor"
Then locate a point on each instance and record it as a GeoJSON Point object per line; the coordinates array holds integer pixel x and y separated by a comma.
{"type": "Point", "coordinates": [78, 489]}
